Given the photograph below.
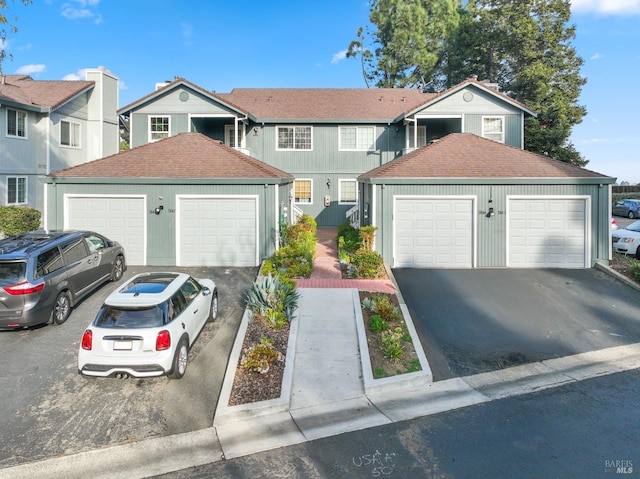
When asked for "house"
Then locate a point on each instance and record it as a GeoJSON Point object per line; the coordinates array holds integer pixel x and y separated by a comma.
{"type": "Point", "coordinates": [330, 149]}
{"type": "Point", "coordinates": [50, 125]}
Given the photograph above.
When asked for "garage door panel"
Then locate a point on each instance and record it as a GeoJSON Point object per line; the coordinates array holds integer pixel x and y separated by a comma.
{"type": "Point", "coordinates": [433, 232]}
{"type": "Point", "coordinates": [218, 231]}
{"type": "Point", "coordinates": [547, 232]}
{"type": "Point", "coordinates": [121, 219]}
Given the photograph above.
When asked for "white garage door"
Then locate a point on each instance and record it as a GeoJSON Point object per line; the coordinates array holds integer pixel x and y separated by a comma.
{"type": "Point", "coordinates": [121, 219]}
{"type": "Point", "coordinates": [217, 231]}
{"type": "Point", "coordinates": [547, 233]}
{"type": "Point", "coordinates": [433, 232]}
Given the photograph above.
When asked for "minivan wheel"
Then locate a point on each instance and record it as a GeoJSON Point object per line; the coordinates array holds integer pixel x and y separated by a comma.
{"type": "Point", "coordinates": [213, 312]}
{"type": "Point", "coordinates": [180, 359]}
{"type": "Point", "coordinates": [61, 308]}
{"type": "Point", "coordinates": [118, 269]}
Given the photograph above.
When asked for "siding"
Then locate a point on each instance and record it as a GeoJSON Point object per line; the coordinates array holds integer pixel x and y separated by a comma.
{"type": "Point", "coordinates": [161, 235]}
{"type": "Point", "coordinates": [491, 232]}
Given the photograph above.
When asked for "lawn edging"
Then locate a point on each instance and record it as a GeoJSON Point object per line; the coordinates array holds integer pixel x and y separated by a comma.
{"type": "Point", "coordinates": [224, 413]}
{"type": "Point", "coordinates": [607, 269]}
{"type": "Point", "coordinates": [407, 380]}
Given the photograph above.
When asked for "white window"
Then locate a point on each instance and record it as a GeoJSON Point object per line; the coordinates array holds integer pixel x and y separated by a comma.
{"type": "Point", "coordinates": [16, 190]}
{"type": "Point", "coordinates": [422, 136]}
{"type": "Point", "coordinates": [294, 138]}
{"type": "Point", "coordinates": [16, 123]}
{"type": "Point", "coordinates": [362, 138]}
{"type": "Point", "coordinates": [348, 192]}
{"type": "Point", "coordinates": [70, 134]}
{"type": "Point", "coordinates": [493, 128]}
{"type": "Point", "coordinates": [303, 191]}
{"type": "Point", "coordinates": [230, 136]}
{"type": "Point", "coordinates": [159, 127]}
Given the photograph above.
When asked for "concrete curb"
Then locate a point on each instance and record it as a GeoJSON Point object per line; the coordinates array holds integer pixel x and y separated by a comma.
{"type": "Point", "coordinates": [615, 274]}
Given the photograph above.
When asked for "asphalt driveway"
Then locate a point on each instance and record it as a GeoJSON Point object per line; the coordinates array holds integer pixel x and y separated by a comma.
{"type": "Point", "coordinates": [479, 320]}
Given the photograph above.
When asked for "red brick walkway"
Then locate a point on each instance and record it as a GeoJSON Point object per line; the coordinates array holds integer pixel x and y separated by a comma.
{"type": "Point", "coordinates": [326, 268]}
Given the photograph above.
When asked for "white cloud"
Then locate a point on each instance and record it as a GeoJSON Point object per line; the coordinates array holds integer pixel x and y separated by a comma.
{"type": "Point", "coordinates": [78, 9]}
{"type": "Point", "coordinates": [597, 56]}
{"type": "Point", "coordinates": [341, 55]}
{"type": "Point", "coordinates": [30, 69]}
{"type": "Point", "coordinates": [606, 7]}
{"type": "Point", "coordinates": [79, 75]}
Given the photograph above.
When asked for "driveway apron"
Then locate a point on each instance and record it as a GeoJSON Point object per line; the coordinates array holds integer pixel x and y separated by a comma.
{"type": "Point", "coordinates": [479, 320]}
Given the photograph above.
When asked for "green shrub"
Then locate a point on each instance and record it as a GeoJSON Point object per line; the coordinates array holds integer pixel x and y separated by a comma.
{"type": "Point", "coordinates": [367, 234]}
{"type": "Point", "coordinates": [268, 268]}
{"type": "Point", "coordinates": [260, 356]}
{"type": "Point", "coordinates": [368, 264]}
{"type": "Point", "coordinates": [385, 308]}
{"type": "Point", "coordinates": [18, 219]}
{"type": "Point", "coordinates": [378, 324]}
{"type": "Point", "coordinates": [348, 241]}
{"type": "Point", "coordinates": [635, 268]}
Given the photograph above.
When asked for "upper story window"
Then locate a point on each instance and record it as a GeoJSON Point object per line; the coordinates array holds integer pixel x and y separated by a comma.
{"type": "Point", "coordinates": [303, 191]}
{"type": "Point", "coordinates": [159, 127]}
{"type": "Point", "coordinates": [16, 190]}
{"type": "Point", "coordinates": [422, 136]}
{"type": "Point", "coordinates": [493, 128]}
{"type": "Point", "coordinates": [16, 123]}
{"type": "Point", "coordinates": [360, 138]}
{"type": "Point", "coordinates": [230, 136]}
{"type": "Point", "coordinates": [348, 192]}
{"type": "Point", "coordinates": [70, 134]}
{"type": "Point", "coordinates": [294, 138]}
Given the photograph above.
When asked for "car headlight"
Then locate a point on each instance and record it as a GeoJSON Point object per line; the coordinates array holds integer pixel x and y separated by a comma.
{"type": "Point", "coordinates": [626, 240]}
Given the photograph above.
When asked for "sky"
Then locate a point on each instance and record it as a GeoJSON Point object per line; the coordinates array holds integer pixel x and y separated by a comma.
{"type": "Point", "coordinates": [221, 45]}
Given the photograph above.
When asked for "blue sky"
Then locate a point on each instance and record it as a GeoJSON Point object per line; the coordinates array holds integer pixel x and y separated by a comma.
{"type": "Point", "coordinates": [220, 45]}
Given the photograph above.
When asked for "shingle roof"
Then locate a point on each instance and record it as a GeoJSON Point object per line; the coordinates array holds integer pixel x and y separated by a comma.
{"type": "Point", "coordinates": [326, 103]}
{"type": "Point", "coordinates": [187, 155]}
{"type": "Point", "coordinates": [43, 94]}
{"type": "Point", "coordinates": [464, 155]}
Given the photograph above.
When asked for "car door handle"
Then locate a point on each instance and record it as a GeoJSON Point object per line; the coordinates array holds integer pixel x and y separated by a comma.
{"type": "Point", "coordinates": [195, 311]}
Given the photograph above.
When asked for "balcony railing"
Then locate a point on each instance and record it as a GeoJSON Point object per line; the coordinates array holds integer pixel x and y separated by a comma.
{"type": "Point", "coordinates": [353, 216]}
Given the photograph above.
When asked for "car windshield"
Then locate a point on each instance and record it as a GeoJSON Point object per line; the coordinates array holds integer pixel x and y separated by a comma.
{"type": "Point", "coordinates": [130, 318]}
{"type": "Point", "coordinates": [12, 272]}
{"type": "Point", "coordinates": [634, 227]}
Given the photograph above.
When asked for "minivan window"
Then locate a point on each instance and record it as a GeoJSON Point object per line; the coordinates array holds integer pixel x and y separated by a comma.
{"type": "Point", "coordinates": [95, 243]}
{"type": "Point", "coordinates": [12, 272]}
{"type": "Point", "coordinates": [74, 252]}
{"type": "Point", "coordinates": [48, 262]}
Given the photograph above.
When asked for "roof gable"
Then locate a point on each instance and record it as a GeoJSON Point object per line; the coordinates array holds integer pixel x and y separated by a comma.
{"type": "Point", "coordinates": [464, 155]}
{"type": "Point", "coordinates": [187, 155]}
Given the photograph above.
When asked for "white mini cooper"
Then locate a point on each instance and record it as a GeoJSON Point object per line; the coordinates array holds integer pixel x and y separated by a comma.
{"type": "Point", "coordinates": [147, 326]}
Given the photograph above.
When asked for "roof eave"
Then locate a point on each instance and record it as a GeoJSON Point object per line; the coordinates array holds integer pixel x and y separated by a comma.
{"type": "Point", "coordinates": [605, 180]}
{"type": "Point", "coordinates": [163, 181]}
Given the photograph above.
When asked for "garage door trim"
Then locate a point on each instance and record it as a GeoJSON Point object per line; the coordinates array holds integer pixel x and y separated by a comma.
{"type": "Point", "coordinates": [587, 220]}
{"type": "Point", "coordinates": [474, 219]}
{"type": "Point", "coordinates": [67, 197]}
{"type": "Point", "coordinates": [179, 198]}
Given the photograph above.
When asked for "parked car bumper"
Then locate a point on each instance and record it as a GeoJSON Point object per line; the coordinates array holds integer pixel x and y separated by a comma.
{"type": "Point", "coordinates": [142, 366]}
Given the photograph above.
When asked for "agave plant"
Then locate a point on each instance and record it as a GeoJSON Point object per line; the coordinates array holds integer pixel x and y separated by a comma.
{"type": "Point", "coordinates": [268, 293]}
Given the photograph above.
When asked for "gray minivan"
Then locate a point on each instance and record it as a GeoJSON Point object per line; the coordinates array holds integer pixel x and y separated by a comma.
{"type": "Point", "coordinates": [44, 274]}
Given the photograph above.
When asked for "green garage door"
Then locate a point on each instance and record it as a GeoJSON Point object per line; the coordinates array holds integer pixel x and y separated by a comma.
{"type": "Point", "coordinates": [217, 231]}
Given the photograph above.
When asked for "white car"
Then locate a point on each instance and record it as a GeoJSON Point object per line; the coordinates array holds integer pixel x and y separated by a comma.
{"type": "Point", "coordinates": [147, 326]}
{"type": "Point", "coordinates": [627, 240]}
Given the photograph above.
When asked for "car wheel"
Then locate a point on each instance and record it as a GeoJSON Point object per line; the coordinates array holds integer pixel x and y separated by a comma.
{"type": "Point", "coordinates": [213, 312]}
{"type": "Point", "coordinates": [118, 269]}
{"type": "Point", "coordinates": [631, 215]}
{"type": "Point", "coordinates": [61, 308]}
{"type": "Point", "coordinates": [638, 253]}
{"type": "Point", "coordinates": [180, 359]}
